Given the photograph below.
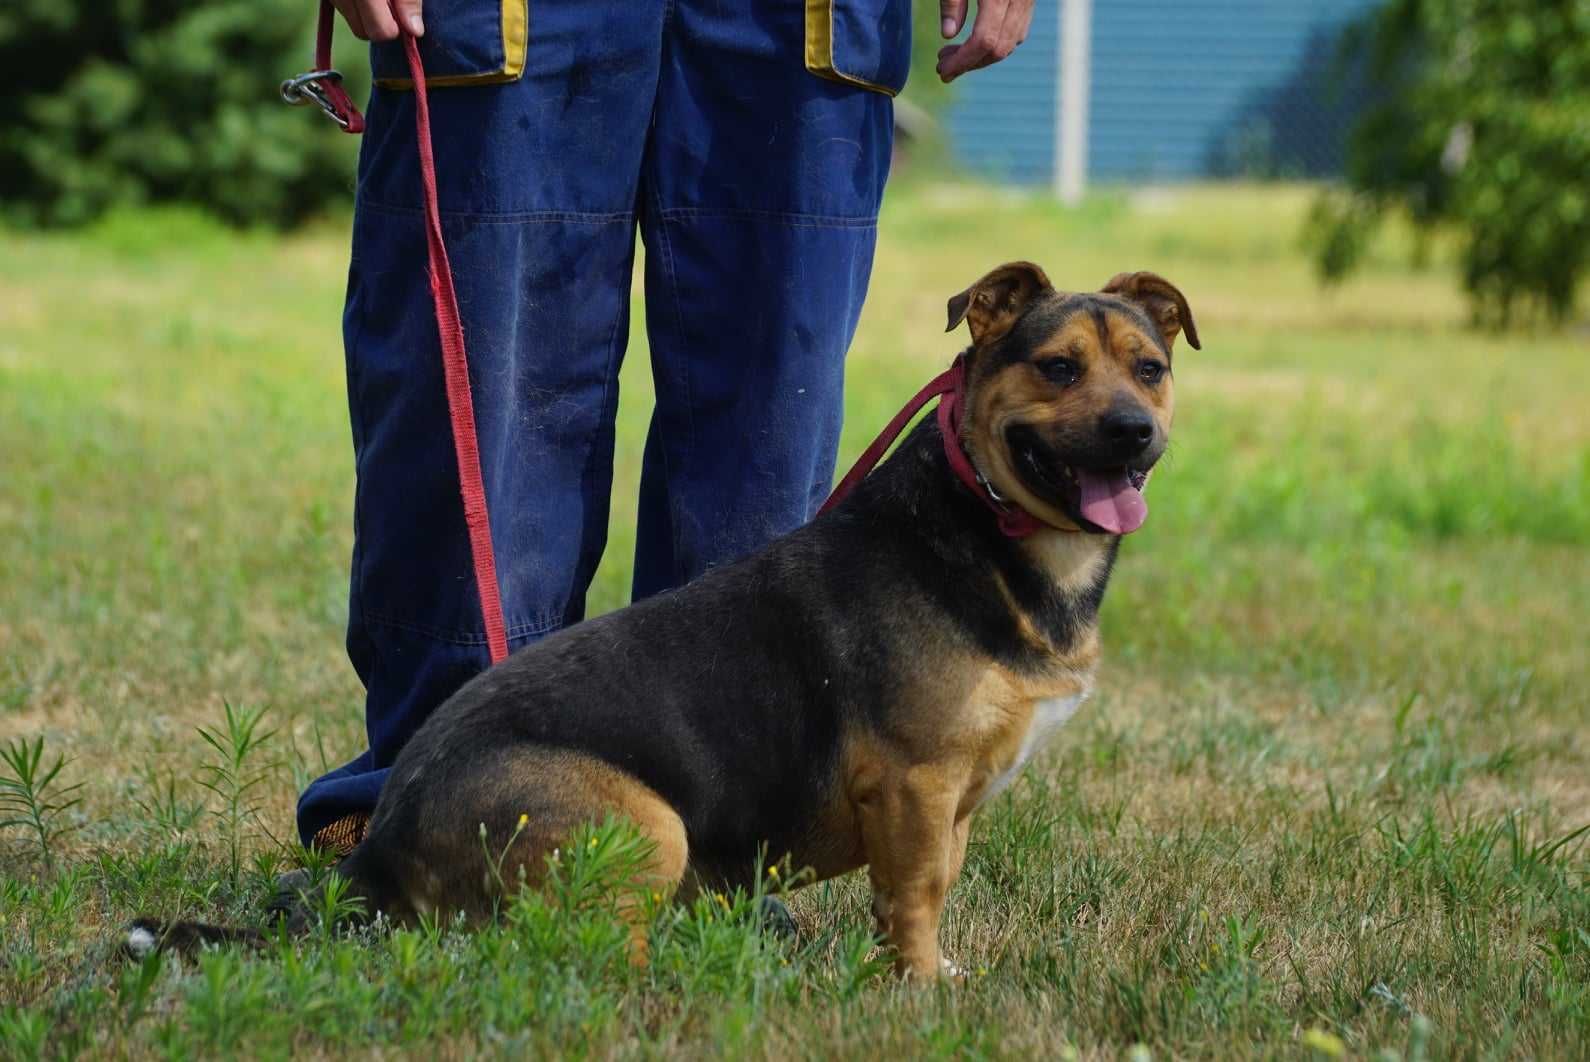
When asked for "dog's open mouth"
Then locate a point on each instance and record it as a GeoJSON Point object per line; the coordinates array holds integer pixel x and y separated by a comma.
{"type": "Point", "coordinates": [1110, 499]}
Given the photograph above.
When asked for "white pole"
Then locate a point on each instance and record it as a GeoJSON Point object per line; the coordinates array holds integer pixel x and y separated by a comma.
{"type": "Point", "coordinates": [1071, 111]}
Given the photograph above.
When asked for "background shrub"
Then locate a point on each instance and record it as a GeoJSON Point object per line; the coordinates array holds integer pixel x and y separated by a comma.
{"type": "Point", "coordinates": [113, 103]}
{"type": "Point", "coordinates": [1482, 130]}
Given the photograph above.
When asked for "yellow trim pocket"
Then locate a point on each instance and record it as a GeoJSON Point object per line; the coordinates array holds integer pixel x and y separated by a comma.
{"type": "Point", "coordinates": [860, 42]}
{"type": "Point", "coordinates": [466, 42]}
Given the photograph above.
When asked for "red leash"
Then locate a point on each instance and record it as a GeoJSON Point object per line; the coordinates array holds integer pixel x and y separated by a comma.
{"type": "Point", "coordinates": [455, 364]}
{"type": "Point", "coordinates": [321, 86]}
{"type": "Point", "coordinates": [1014, 521]}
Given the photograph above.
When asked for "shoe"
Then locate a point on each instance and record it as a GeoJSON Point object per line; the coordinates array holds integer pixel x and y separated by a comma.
{"type": "Point", "coordinates": [343, 836]}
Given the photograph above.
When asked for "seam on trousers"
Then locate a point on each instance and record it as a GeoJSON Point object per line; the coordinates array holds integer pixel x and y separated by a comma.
{"type": "Point", "coordinates": [790, 218]}
{"type": "Point", "coordinates": [684, 377]}
{"type": "Point", "coordinates": [505, 217]}
{"type": "Point", "coordinates": [542, 624]}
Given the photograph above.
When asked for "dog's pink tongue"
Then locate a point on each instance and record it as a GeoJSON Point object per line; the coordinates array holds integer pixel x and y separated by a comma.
{"type": "Point", "coordinates": [1110, 500]}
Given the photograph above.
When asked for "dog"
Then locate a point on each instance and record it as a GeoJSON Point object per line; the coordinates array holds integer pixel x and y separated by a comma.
{"type": "Point", "coordinates": [850, 695]}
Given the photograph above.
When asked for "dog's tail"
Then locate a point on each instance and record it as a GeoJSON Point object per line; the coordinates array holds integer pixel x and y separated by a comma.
{"type": "Point", "coordinates": [145, 936]}
{"type": "Point", "coordinates": [289, 911]}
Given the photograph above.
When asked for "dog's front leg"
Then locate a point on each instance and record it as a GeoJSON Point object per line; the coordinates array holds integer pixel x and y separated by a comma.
{"type": "Point", "coordinates": [909, 835]}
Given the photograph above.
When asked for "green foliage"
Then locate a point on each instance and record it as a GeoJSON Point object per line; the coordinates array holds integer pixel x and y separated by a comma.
{"type": "Point", "coordinates": [24, 1033]}
{"type": "Point", "coordinates": [30, 797]}
{"type": "Point", "coordinates": [334, 904]}
{"type": "Point", "coordinates": [235, 774]}
{"type": "Point", "coordinates": [1483, 130]}
{"type": "Point", "coordinates": [146, 101]}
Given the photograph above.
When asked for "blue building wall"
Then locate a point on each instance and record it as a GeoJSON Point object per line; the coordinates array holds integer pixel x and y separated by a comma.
{"type": "Point", "coordinates": [1179, 91]}
{"type": "Point", "coordinates": [1001, 122]}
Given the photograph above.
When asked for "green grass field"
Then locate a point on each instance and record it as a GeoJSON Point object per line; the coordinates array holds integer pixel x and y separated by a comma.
{"type": "Point", "coordinates": [1325, 800]}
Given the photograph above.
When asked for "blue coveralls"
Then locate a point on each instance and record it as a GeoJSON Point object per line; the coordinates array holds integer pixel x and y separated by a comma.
{"type": "Point", "coordinates": [755, 184]}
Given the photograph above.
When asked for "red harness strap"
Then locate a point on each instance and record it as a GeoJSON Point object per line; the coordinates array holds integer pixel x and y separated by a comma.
{"type": "Point", "coordinates": [322, 86]}
{"type": "Point", "coordinates": [1014, 521]}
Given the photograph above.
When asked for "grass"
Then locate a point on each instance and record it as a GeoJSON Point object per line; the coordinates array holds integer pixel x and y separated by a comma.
{"type": "Point", "coordinates": [1325, 801]}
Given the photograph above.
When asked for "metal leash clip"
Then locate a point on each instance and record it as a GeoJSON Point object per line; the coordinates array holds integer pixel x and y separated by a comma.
{"type": "Point", "coordinates": [994, 496]}
{"type": "Point", "coordinates": [305, 89]}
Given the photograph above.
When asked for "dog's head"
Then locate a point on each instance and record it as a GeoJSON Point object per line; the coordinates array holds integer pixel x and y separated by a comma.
{"type": "Point", "coordinates": [1069, 395]}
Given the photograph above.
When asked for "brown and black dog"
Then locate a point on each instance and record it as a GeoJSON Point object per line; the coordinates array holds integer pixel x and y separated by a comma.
{"type": "Point", "coordinates": [849, 695]}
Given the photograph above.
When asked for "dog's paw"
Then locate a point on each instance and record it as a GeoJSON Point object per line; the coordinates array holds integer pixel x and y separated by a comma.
{"type": "Point", "coordinates": [776, 920]}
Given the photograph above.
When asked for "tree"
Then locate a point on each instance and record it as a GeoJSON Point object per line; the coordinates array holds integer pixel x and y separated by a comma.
{"type": "Point", "coordinates": [117, 102]}
{"type": "Point", "coordinates": [1482, 130]}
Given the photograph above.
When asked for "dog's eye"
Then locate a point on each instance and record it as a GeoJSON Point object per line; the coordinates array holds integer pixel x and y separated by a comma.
{"type": "Point", "coordinates": [1062, 371]}
{"type": "Point", "coordinates": [1150, 371]}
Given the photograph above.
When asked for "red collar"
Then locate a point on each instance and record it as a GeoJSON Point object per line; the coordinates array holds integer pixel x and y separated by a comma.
{"type": "Point", "coordinates": [1014, 521]}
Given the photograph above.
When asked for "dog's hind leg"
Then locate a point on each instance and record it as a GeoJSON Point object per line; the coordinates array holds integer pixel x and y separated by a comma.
{"type": "Point", "coordinates": [665, 862]}
{"type": "Point", "coordinates": [530, 803]}
{"type": "Point", "coordinates": [586, 791]}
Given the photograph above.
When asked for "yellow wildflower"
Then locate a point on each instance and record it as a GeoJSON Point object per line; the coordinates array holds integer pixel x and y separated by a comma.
{"type": "Point", "coordinates": [1326, 1043]}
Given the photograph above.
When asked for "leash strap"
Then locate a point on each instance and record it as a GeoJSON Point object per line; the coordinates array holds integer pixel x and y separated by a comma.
{"type": "Point", "coordinates": [949, 387]}
{"type": "Point", "coordinates": [342, 108]}
{"type": "Point", "coordinates": [455, 365]}
{"type": "Point", "coordinates": [322, 86]}
{"type": "Point", "coordinates": [944, 383]}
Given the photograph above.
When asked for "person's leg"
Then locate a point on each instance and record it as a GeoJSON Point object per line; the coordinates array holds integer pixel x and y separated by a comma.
{"type": "Point", "coordinates": [538, 181]}
{"type": "Point", "coordinates": [759, 208]}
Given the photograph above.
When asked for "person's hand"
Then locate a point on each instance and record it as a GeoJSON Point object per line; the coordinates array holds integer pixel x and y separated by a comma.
{"type": "Point", "coordinates": [1000, 26]}
{"type": "Point", "coordinates": [371, 20]}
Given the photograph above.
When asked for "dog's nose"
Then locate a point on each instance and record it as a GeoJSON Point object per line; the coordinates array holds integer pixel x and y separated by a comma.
{"type": "Point", "coordinates": [1127, 431]}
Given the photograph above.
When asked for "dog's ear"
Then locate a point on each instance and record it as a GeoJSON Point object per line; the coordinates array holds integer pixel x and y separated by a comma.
{"type": "Point", "coordinates": [990, 306]}
{"type": "Point", "coordinates": [1166, 305]}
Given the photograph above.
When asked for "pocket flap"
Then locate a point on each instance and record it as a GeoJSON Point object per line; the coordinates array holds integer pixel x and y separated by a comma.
{"type": "Point", "coordinates": [860, 42]}
{"type": "Point", "coordinates": [466, 42]}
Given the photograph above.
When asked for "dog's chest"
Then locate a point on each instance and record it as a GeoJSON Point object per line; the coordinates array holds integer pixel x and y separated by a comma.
{"type": "Point", "coordinates": [1048, 716]}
